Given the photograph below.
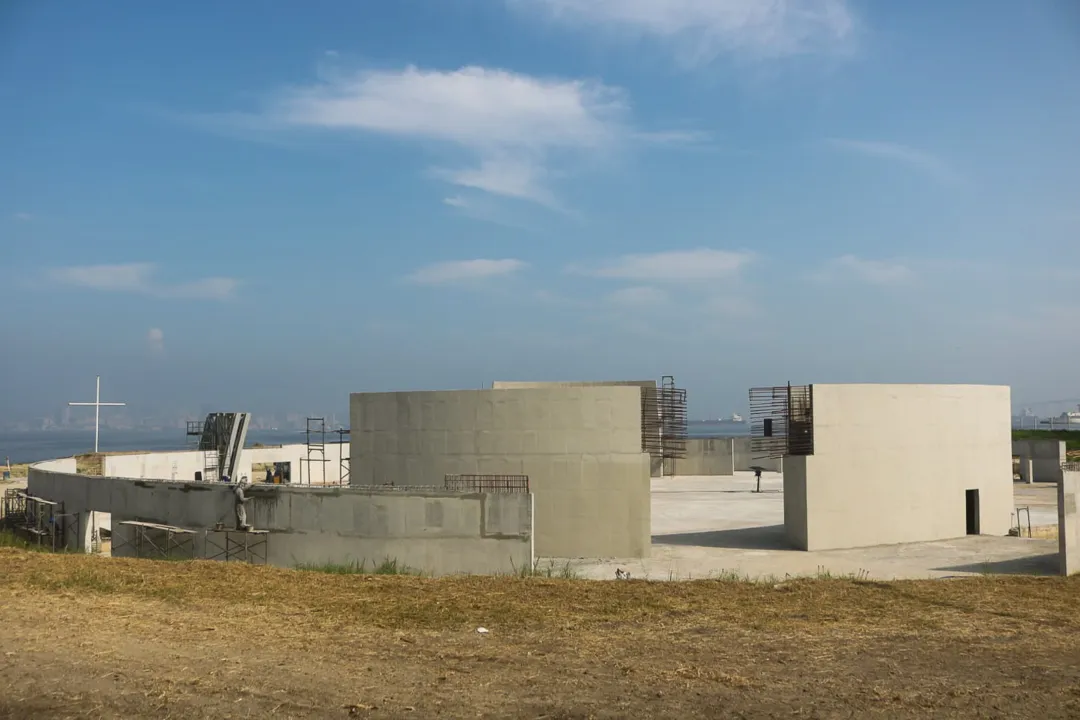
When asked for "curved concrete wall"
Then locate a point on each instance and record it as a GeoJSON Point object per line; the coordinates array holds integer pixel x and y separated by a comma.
{"type": "Point", "coordinates": [181, 465]}
{"type": "Point", "coordinates": [580, 445]}
{"type": "Point", "coordinates": [436, 531]}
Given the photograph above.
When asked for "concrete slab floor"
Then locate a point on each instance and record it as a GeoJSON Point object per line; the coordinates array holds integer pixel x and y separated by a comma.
{"type": "Point", "coordinates": [712, 526]}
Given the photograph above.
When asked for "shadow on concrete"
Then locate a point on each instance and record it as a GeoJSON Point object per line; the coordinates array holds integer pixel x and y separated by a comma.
{"type": "Point", "coordinates": [1031, 565]}
{"type": "Point", "coordinates": [769, 537]}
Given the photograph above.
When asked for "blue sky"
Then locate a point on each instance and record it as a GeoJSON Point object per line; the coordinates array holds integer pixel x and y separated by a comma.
{"type": "Point", "coordinates": [266, 207]}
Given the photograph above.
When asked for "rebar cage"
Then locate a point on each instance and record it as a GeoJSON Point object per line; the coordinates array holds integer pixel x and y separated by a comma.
{"type": "Point", "coordinates": [664, 420]}
{"type": "Point", "coordinates": [487, 483]}
{"type": "Point", "coordinates": [782, 421]}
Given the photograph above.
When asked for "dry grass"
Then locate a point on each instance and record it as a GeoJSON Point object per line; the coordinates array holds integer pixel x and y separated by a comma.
{"type": "Point", "coordinates": [96, 637]}
{"type": "Point", "coordinates": [18, 470]}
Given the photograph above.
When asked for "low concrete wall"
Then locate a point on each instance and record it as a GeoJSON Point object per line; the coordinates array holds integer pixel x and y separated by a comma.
{"type": "Point", "coordinates": [745, 460]}
{"type": "Point", "coordinates": [707, 456]}
{"type": "Point", "coordinates": [176, 465]}
{"type": "Point", "coordinates": [63, 465]}
{"type": "Point", "coordinates": [435, 531]}
{"type": "Point", "coordinates": [1040, 460]}
{"type": "Point", "coordinates": [181, 465]}
{"type": "Point", "coordinates": [1069, 520]}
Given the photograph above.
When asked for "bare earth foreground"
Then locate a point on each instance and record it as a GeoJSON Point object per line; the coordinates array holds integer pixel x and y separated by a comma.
{"type": "Point", "coordinates": [83, 636]}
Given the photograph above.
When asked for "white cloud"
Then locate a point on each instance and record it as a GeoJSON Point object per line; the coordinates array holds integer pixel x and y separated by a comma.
{"type": "Point", "coordinates": [919, 160]}
{"type": "Point", "coordinates": [874, 272]}
{"type": "Point", "coordinates": [702, 264]}
{"type": "Point", "coordinates": [701, 30]}
{"type": "Point", "coordinates": [138, 278]}
{"type": "Point", "coordinates": [520, 178]}
{"type": "Point", "coordinates": [512, 128]}
{"type": "Point", "coordinates": [513, 124]}
{"type": "Point", "coordinates": [23, 216]}
{"type": "Point", "coordinates": [637, 297]}
{"type": "Point", "coordinates": [155, 339]}
{"type": "Point", "coordinates": [464, 271]}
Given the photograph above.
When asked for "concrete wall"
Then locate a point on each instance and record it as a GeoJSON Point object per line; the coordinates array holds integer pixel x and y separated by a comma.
{"type": "Point", "coordinates": [579, 445]}
{"type": "Point", "coordinates": [891, 464]}
{"type": "Point", "coordinates": [745, 460]}
{"type": "Point", "coordinates": [64, 465]}
{"type": "Point", "coordinates": [1040, 460]}
{"type": "Point", "coordinates": [435, 531]}
{"type": "Point", "coordinates": [1069, 521]}
{"type": "Point", "coordinates": [181, 465]}
{"type": "Point", "coordinates": [178, 465]}
{"type": "Point", "coordinates": [707, 456]}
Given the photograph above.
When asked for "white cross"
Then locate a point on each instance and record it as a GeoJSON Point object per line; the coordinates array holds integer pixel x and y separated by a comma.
{"type": "Point", "coordinates": [97, 410]}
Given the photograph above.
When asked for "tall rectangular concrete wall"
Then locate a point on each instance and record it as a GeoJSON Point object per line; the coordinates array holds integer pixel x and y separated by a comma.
{"type": "Point", "coordinates": [579, 445]}
{"type": "Point", "coordinates": [431, 530]}
{"type": "Point", "coordinates": [1040, 460]}
{"type": "Point", "coordinates": [707, 456]}
{"type": "Point", "coordinates": [893, 464]}
{"type": "Point", "coordinates": [1069, 520]}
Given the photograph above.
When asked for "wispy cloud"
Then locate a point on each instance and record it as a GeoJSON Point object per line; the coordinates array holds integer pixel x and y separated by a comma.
{"type": "Point", "coordinates": [637, 296]}
{"type": "Point", "coordinates": [139, 278]}
{"type": "Point", "coordinates": [699, 31]}
{"type": "Point", "coordinates": [913, 158]}
{"type": "Point", "coordinates": [464, 271]}
{"type": "Point", "coordinates": [702, 264]}
{"type": "Point", "coordinates": [155, 340]}
{"type": "Point", "coordinates": [23, 216]}
{"type": "Point", "coordinates": [515, 127]}
{"type": "Point", "coordinates": [873, 272]}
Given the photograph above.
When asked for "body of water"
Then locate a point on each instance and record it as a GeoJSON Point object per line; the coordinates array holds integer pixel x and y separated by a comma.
{"type": "Point", "coordinates": [36, 445]}
{"type": "Point", "coordinates": [33, 446]}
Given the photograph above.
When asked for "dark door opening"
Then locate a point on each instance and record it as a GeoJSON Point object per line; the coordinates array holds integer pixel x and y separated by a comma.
{"type": "Point", "coordinates": [972, 512]}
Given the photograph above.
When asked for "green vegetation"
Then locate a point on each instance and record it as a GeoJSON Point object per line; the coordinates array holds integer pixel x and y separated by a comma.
{"type": "Point", "coordinates": [565, 571]}
{"type": "Point", "coordinates": [389, 566]}
{"type": "Point", "coordinates": [1071, 437]}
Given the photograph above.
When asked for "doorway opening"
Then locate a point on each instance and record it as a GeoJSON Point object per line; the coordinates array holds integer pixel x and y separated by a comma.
{"type": "Point", "coordinates": [972, 497]}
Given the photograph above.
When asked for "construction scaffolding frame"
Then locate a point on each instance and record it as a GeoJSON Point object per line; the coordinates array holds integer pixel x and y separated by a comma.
{"type": "Point", "coordinates": [221, 438]}
{"type": "Point", "coordinates": [487, 483]}
{"type": "Point", "coordinates": [154, 540]}
{"type": "Point", "coordinates": [38, 521]}
{"type": "Point", "coordinates": [344, 463]}
{"type": "Point", "coordinates": [315, 440]}
{"type": "Point", "coordinates": [248, 546]}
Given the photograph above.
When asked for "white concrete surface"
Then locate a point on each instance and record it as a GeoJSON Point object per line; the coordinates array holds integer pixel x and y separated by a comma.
{"type": "Point", "coordinates": [181, 465]}
{"type": "Point", "coordinates": [711, 526]}
{"type": "Point", "coordinates": [894, 464]}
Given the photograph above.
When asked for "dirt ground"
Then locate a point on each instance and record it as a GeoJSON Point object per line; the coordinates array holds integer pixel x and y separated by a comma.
{"type": "Point", "coordinates": [85, 637]}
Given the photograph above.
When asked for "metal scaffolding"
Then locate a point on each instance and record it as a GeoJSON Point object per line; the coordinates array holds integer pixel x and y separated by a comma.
{"type": "Point", "coordinates": [153, 540]}
{"type": "Point", "coordinates": [39, 522]}
{"type": "Point", "coordinates": [344, 462]}
{"type": "Point", "coordinates": [240, 545]}
{"type": "Point", "coordinates": [315, 440]}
